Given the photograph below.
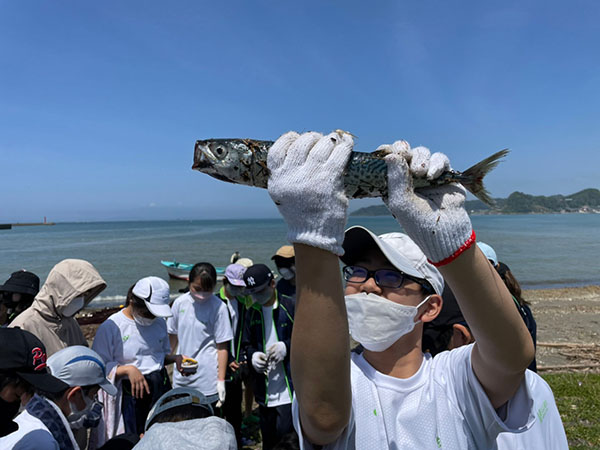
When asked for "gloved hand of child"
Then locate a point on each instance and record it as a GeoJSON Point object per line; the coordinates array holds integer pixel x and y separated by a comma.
{"type": "Point", "coordinates": [434, 217]}
{"type": "Point", "coordinates": [306, 183]}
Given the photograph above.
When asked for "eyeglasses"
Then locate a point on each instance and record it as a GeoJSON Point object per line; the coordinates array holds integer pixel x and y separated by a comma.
{"type": "Point", "coordinates": [386, 278]}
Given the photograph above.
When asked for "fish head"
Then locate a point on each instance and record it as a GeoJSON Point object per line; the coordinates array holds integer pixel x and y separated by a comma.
{"type": "Point", "coordinates": [241, 161]}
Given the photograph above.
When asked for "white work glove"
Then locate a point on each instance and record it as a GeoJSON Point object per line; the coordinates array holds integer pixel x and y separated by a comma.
{"type": "Point", "coordinates": [259, 362]}
{"type": "Point", "coordinates": [434, 217]}
{"type": "Point", "coordinates": [277, 352]}
{"type": "Point", "coordinates": [221, 392]}
{"type": "Point", "coordinates": [306, 183]}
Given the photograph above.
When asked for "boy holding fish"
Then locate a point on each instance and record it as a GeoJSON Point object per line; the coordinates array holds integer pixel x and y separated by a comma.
{"type": "Point", "coordinates": [392, 395]}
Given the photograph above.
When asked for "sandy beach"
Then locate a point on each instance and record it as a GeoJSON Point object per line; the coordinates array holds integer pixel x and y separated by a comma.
{"type": "Point", "coordinates": [567, 316]}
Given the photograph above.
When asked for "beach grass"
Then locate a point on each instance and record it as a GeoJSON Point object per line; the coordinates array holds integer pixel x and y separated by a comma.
{"type": "Point", "coordinates": [578, 399]}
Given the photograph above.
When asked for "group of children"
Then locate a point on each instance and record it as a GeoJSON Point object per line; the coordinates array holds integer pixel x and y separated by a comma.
{"type": "Point", "coordinates": [389, 392]}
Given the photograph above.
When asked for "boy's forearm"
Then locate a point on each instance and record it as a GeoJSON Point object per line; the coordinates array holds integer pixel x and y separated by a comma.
{"type": "Point", "coordinates": [504, 347]}
{"type": "Point", "coordinates": [321, 349]}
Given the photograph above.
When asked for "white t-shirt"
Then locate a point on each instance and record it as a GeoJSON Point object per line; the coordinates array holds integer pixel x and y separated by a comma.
{"type": "Point", "coordinates": [547, 432]}
{"type": "Point", "coordinates": [119, 340]}
{"type": "Point", "coordinates": [33, 434]}
{"type": "Point", "coordinates": [276, 387]}
{"type": "Point", "coordinates": [199, 326]}
{"type": "Point", "coordinates": [441, 406]}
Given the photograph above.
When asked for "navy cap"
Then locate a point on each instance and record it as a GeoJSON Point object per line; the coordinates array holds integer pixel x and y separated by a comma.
{"type": "Point", "coordinates": [257, 277]}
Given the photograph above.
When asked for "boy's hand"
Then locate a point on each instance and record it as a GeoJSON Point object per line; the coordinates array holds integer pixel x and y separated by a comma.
{"type": "Point", "coordinates": [434, 217]}
{"type": "Point", "coordinates": [306, 183]}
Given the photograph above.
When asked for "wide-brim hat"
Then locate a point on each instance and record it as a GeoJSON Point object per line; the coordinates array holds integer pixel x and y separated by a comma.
{"type": "Point", "coordinates": [399, 250]}
{"type": "Point", "coordinates": [156, 295]}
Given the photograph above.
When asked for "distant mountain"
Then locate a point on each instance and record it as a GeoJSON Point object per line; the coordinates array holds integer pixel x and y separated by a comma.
{"type": "Point", "coordinates": [587, 200]}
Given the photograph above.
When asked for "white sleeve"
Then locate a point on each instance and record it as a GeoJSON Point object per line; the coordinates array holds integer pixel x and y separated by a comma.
{"type": "Point", "coordinates": [172, 321]}
{"type": "Point", "coordinates": [346, 441]}
{"type": "Point", "coordinates": [454, 369]}
{"type": "Point", "coordinates": [223, 331]}
{"type": "Point", "coordinates": [104, 343]}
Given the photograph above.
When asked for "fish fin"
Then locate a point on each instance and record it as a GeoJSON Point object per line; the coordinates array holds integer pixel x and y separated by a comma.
{"type": "Point", "coordinates": [472, 178]}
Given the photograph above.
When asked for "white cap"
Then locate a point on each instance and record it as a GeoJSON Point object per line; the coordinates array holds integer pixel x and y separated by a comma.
{"type": "Point", "coordinates": [80, 366]}
{"type": "Point", "coordinates": [398, 248]}
{"type": "Point", "coordinates": [155, 293]}
{"type": "Point", "coordinates": [489, 252]}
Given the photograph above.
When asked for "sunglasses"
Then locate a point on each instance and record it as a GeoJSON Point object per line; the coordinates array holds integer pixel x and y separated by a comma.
{"type": "Point", "coordinates": [385, 278]}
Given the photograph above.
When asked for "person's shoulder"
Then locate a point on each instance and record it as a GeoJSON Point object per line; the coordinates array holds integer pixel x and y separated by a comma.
{"type": "Point", "coordinates": [36, 440]}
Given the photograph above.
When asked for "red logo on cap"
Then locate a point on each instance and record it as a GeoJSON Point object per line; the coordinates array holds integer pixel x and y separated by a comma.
{"type": "Point", "coordinates": [39, 359]}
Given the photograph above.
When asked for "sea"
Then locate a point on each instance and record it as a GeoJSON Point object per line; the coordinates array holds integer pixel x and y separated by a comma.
{"type": "Point", "coordinates": [543, 251]}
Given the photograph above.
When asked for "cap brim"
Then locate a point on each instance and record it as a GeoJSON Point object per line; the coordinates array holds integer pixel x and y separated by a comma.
{"type": "Point", "coordinates": [159, 310]}
{"type": "Point", "coordinates": [239, 283]}
{"type": "Point", "coordinates": [257, 288]}
{"type": "Point", "coordinates": [108, 387]}
{"type": "Point", "coordinates": [44, 381]}
{"type": "Point", "coordinates": [357, 238]}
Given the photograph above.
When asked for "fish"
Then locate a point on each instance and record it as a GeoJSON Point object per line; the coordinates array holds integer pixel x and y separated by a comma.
{"type": "Point", "coordinates": [244, 161]}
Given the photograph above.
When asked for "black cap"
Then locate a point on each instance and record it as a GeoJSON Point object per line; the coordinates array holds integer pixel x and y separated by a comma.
{"type": "Point", "coordinates": [25, 355]}
{"type": "Point", "coordinates": [257, 277]}
{"type": "Point", "coordinates": [438, 332]}
{"type": "Point", "coordinates": [22, 282]}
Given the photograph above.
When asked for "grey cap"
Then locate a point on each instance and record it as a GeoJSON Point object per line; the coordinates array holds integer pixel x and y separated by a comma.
{"type": "Point", "coordinates": [210, 433]}
{"type": "Point", "coordinates": [80, 366]}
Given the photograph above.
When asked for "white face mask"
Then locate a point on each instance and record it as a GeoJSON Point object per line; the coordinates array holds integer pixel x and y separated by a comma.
{"type": "Point", "coordinates": [376, 322]}
{"type": "Point", "coordinates": [287, 273]}
{"type": "Point", "coordinates": [72, 308]}
{"type": "Point", "coordinates": [143, 321]}
{"type": "Point", "coordinates": [201, 296]}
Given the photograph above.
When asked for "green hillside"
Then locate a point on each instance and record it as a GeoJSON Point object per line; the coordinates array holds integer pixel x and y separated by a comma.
{"type": "Point", "coordinates": [587, 200]}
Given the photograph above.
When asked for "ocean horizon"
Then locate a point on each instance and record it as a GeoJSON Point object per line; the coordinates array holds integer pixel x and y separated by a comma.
{"type": "Point", "coordinates": [542, 250]}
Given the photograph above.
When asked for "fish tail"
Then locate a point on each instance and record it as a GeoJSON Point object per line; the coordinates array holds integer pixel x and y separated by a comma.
{"type": "Point", "coordinates": [472, 178]}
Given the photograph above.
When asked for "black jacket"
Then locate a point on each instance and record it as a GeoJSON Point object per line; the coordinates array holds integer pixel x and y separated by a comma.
{"type": "Point", "coordinates": [253, 340]}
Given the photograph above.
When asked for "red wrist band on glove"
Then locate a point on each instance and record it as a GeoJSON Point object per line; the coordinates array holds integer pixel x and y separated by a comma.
{"type": "Point", "coordinates": [457, 253]}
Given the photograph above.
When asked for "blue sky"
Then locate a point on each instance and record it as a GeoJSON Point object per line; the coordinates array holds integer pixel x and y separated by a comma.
{"type": "Point", "coordinates": [101, 102]}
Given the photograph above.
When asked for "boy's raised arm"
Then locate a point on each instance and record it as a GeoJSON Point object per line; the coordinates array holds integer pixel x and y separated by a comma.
{"type": "Point", "coordinates": [435, 218]}
{"type": "Point", "coordinates": [306, 184]}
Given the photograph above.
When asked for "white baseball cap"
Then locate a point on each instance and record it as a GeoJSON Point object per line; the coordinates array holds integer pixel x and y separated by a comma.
{"type": "Point", "coordinates": [398, 248]}
{"type": "Point", "coordinates": [80, 366]}
{"type": "Point", "coordinates": [489, 252]}
{"type": "Point", "coordinates": [155, 293]}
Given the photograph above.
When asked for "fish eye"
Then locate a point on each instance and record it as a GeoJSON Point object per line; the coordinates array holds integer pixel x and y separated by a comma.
{"type": "Point", "coordinates": [220, 152]}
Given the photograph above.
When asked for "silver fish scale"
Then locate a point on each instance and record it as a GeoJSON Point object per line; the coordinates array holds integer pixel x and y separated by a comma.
{"type": "Point", "coordinates": [244, 161]}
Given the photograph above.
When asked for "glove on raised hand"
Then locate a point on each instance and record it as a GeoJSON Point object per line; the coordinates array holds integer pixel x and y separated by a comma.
{"type": "Point", "coordinates": [306, 183]}
{"type": "Point", "coordinates": [259, 362]}
{"type": "Point", "coordinates": [277, 352]}
{"type": "Point", "coordinates": [434, 217]}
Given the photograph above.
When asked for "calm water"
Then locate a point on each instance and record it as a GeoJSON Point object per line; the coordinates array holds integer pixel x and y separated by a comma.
{"type": "Point", "coordinates": [542, 250]}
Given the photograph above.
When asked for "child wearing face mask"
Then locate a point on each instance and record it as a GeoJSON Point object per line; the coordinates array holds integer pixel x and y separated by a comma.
{"type": "Point", "coordinates": [70, 286]}
{"type": "Point", "coordinates": [200, 327]}
{"type": "Point", "coordinates": [135, 345]}
{"type": "Point", "coordinates": [267, 340]}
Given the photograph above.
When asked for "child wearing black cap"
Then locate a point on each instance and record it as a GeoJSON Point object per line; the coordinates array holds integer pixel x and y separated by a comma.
{"type": "Point", "coordinates": [267, 340]}
{"type": "Point", "coordinates": [22, 368]}
{"type": "Point", "coordinates": [17, 294]}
